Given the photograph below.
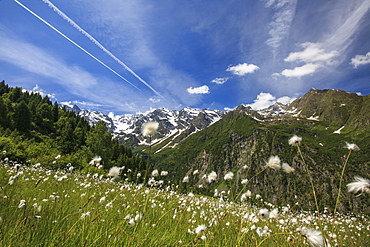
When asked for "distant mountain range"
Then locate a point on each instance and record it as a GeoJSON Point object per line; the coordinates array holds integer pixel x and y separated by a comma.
{"type": "Point", "coordinates": [174, 126]}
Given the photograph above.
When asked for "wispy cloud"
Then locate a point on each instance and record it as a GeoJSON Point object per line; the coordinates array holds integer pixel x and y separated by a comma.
{"type": "Point", "coordinates": [33, 59]}
{"type": "Point", "coordinates": [360, 60]}
{"type": "Point", "coordinates": [199, 90]}
{"type": "Point", "coordinates": [347, 23]}
{"type": "Point", "coordinates": [281, 21]}
{"type": "Point", "coordinates": [75, 25]}
{"type": "Point", "coordinates": [243, 69]}
{"type": "Point", "coordinates": [73, 42]}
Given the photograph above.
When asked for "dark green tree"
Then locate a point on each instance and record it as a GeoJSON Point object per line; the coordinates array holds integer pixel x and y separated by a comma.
{"type": "Point", "coordinates": [99, 141]}
{"type": "Point", "coordinates": [21, 117]}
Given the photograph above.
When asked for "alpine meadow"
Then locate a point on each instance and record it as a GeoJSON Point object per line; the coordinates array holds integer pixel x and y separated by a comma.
{"type": "Point", "coordinates": [290, 175]}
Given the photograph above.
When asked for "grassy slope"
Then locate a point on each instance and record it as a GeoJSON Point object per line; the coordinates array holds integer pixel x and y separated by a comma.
{"type": "Point", "coordinates": [63, 209]}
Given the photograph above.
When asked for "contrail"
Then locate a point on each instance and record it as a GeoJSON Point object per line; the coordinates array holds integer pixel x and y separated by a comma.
{"type": "Point", "coordinates": [88, 53]}
{"type": "Point", "coordinates": [75, 25]}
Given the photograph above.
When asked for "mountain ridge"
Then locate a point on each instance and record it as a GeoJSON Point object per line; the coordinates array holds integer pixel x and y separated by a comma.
{"type": "Point", "coordinates": [334, 106]}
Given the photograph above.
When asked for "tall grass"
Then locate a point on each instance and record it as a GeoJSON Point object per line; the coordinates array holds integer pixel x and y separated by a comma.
{"type": "Point", "coordinates": [40, 207]}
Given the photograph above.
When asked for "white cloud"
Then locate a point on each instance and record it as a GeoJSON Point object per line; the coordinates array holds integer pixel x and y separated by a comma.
{"type": "Point", "coordinates": [306, 69]}
{"type": "Point", "coordinates": [285, 100]}
{"type": "Point", "coordinates": [243, 69]}
{"type": "Point", "coordinates": [313, 52]}
{"type": "Point", "coordinates": [42, 92]}
{"type": "Point", "coordinates": [220, 80]}
{"type": "Point", "coordinates": [198, 90]}
{"type": "Point", "coordinates": [80, 103]}
{"type": "Point", "coordinates": [314, 57]}
{"type": "Point", "coordinates": [360, 60]}
{"type": "Point", "coordinates": [264, 100]}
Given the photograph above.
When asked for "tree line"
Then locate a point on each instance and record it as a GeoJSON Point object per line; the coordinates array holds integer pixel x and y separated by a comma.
{"type": "Point", "coordinates": [33, 129]}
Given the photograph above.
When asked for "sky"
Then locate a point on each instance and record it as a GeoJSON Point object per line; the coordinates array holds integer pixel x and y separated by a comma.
{"type": "Point", "coordinates": [127, 57]}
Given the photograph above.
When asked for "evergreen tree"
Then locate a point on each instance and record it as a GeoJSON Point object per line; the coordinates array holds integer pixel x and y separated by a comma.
{"type": "Point", "coordinates": [99, 141]}
{"type": "Point", "coordinates": [21, 117]}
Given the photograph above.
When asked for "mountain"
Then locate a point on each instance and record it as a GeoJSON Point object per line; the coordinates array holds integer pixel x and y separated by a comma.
{"type": "Point", "coordinates": [243, 140]}
{"type": "Point", "coordinates": [174, 125]}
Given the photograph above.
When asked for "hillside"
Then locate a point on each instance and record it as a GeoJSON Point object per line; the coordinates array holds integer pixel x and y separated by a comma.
{"type": "Point", "coordinates": [243, 141]}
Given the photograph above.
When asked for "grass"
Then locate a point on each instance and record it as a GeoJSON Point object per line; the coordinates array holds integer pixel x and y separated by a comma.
{"type": "Point", "coordinates": [69, 209]}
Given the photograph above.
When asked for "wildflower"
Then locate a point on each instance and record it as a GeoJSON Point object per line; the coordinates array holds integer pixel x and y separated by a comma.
{"type": "Point", "coordinates": [212, 177]}
{"type": "Point", "coordinates": [360, 184]}
{"type": "Point", "coordinates": [84, 215]}
{"type": "Point", "coordinates": [200, 229]}
{"type": "Point", "coordinates": [264, 212]}
{"type": "Point", "coordinates": [164, 173]}
{"type": "Point", "coordinates": [37, 207]}
{"type": "Point", "coordinates": [21, 203]}
{"type": "Point", "coordinates": [263, 231]}
{"type": "Point", "coordinates": [229, 176]}
{"type": "Point", "coordinates": [155, 173]}
{"type": "Point", "coordinates": [131, 222]}
{"type": "Point", "coordinates": [57, 157]}
{"type": "Point", "coordinates": [352, 146]}
{"type": "Point", "coordinates": [274, 213]}
{"type": "Point", "coordinates": [95, 161]}
{"type": "Point", "coordinates": [274, 162]}
{"type": "Point", "coordinates": [195, 172]}
{"type": "Point", "coordinates": [295, 140]}
{"type": "Point", "coordinates": [114, 172]}
{"type": "Point", "coordinates": [245, 181]}
{"type": "Point", "coordinates": [102, 200]}
{"type": "Point", "coordinates": [185, 179]}
{"type": "Point", "coordinates": [315, 238]}
{"type": "Point", "coordinates": [149, 128]}
{"type": "Point", "coordinates": [287, 168]}
{"type": "Point", "coordinates": [203, 238]}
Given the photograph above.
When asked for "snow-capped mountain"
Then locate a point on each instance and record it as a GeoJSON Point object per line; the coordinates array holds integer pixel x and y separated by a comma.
{"type": "Point", "coordinates": [173, 125]}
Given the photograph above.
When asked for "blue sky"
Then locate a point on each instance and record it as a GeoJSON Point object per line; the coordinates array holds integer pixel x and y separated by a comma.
{"type": "Point", "coordinates": [126, 56]}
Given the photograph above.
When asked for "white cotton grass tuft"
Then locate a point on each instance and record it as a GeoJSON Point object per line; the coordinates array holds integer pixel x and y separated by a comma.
{"type": "Point", "coordinates": [274, 162]}
{"type": "Point", "coordinates": [155, 173]}
{"type": "Point", "coordinates": [295, 140]}
{"type": "Point", "coordinates": [244, 181]}
{"type": "Point", "coordinates": [185, 179]}
{"type": "Point", "coordinates": [287, 168]}
{"type": "Point", "coordinates": [95, 161]}
{"type": "Point", "coordinates": [314, 237]}
{"type": "Point", "coordinates": [359, 185]}
{"type": "Point", "coordinates": [352, 146]}
{"type": "Point", "coordinates": [200, 229]}
{"type": "Point", "coordinates": [149, 128]}
{"type": "Point", "coordinates": [212, 177]}
{"type": "Point", "coordinates": [264, 212]}
{"type": "Point", "coordinates": [114, 172]}
{"type": "Point", "coordinates": [229, 176]}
